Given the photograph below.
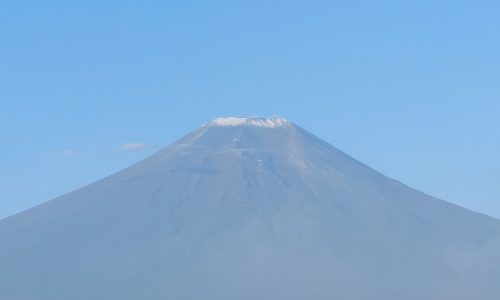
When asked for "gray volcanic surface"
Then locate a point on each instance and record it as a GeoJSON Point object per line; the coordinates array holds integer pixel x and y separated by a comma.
{"type": "Point", "coordinates": [249, 209]}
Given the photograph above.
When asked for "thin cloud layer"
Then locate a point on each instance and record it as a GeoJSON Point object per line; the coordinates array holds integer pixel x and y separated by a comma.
{"type": "Point", "coordinates": [68, 152]}
{"type": "Point", "coordinates": [133, 146]}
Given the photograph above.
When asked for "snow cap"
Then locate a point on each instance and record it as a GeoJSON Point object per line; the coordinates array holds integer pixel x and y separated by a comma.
{"type": "Point", "coordinates": [270, 122]}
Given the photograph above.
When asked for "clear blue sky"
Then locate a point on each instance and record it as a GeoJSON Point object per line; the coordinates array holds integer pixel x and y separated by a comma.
{"type": "Point", "coordinates": [412, 88]}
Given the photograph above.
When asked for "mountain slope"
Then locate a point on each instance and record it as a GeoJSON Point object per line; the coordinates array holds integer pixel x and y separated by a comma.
{"type": "Point", "coordinates": [249, 209]}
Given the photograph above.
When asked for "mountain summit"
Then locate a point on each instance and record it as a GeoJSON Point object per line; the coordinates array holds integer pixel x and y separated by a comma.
{"type": "Point", "coordinates": [249, 208]}
{"type": "Point", "coordinates": [258, 122]}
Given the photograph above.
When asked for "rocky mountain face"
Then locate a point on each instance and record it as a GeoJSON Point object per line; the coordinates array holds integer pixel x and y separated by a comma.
{"type": "Point", "coordinates": [249, 208]}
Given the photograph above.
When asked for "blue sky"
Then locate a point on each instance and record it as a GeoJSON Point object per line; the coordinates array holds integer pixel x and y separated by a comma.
{"type": "Point", "coordinates": [410, 88]}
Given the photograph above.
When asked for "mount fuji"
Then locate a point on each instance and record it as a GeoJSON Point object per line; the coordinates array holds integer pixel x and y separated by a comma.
{"type": "Point", "coordinates": [249, 209]}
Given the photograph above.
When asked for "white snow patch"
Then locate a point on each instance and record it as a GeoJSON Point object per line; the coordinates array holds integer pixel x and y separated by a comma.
{"type": "Point", "coordinates": [258, 122]}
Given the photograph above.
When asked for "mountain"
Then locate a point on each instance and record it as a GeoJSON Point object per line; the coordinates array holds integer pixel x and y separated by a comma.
{"type": "Point", "coordinates": [249, 209]}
